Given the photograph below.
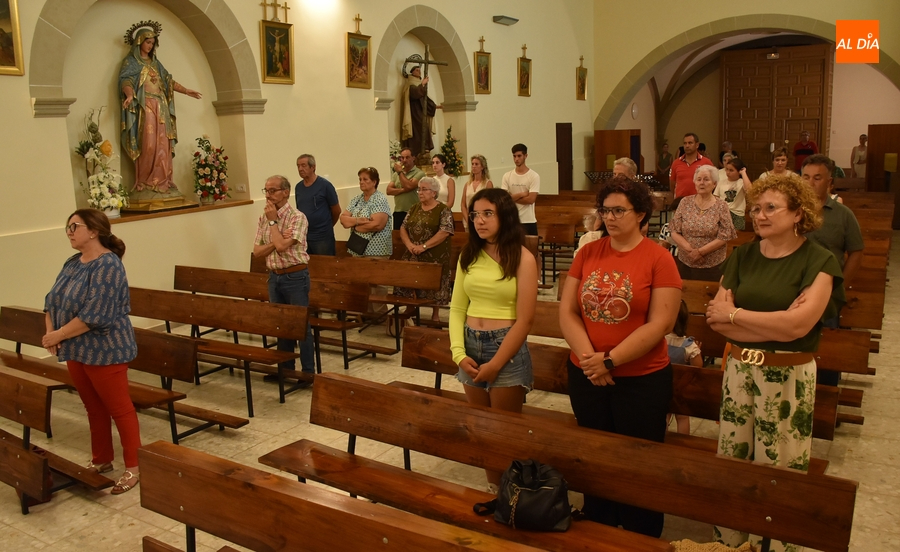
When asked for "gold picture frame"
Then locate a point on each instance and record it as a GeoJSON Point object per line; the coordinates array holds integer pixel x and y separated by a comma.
{"type": "Point", "coordinates": [11, 61]}
{"type": "Point", "coordinates": [581, 83]}
{"type": "Point", "coordinates": [276, 53]}
{"type": "Point", "coordinates": [358, 61]}
{"type": "Point", "coordinates": [523, 76]}
{"type": "Point", "coordinates": [482, 72]}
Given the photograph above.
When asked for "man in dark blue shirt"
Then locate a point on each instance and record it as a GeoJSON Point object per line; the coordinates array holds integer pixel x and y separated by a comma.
{"type": "Point", "coordinates": [317, 199]}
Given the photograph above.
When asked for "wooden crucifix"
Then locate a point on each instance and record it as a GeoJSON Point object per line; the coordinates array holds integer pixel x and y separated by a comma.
{"type": "Point", "coordinates": [524, 47]}
{"type": "Point", "coordinates": [358, 20]}
{"type": "Point", "coordinates": [481, 43]}
{"type": "Point", "coordinates": [265, 6]}
{"type": "Point", "coordinates": [424, 99]}
{"type": "Point", "coordinates": [285, 7]}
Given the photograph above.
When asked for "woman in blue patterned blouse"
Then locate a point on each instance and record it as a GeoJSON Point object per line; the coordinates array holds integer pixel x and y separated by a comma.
{"type": "Point", "coordinates": [88, 327]}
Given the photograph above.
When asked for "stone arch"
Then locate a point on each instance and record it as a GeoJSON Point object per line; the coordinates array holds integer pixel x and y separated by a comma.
{"type": "Point", "coordinates": [431, 27]}
{"type": "Point", "coordinates": [708, 33]}
{"type": "Point", "coordinates": [228, 52]}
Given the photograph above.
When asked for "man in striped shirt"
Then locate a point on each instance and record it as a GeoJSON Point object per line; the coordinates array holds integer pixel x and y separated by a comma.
{"type": "Point", "coordinates": [281, 239]}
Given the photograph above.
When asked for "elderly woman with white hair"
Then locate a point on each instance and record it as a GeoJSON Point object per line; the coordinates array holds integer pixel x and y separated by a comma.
{"type": "Point", "coordinates": [424, 232]}
{"type": "Point", "coordinates": [700, 228]}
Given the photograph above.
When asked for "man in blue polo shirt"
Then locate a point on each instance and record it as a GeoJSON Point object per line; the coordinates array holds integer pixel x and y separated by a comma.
{"type": "Point", "coordinates": [318, 200]}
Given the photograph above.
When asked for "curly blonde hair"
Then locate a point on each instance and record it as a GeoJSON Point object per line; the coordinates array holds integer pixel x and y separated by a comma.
{"type": "Point", "coordinates": [799, 196]}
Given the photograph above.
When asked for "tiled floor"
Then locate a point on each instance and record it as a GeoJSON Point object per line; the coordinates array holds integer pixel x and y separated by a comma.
{"type": "Point", "coordinates": [81, 520]}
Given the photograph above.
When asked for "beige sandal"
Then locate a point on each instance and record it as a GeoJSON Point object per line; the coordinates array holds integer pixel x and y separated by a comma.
{"type": "Point", "coordinates": [99, 468]}
{"type": "Point", "coordinates": [125, 483]}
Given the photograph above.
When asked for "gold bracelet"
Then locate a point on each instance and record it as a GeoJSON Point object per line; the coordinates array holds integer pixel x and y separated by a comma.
{"type": "Point", "coordinates": [64, 334]}
{"type": "Point", "coordinates": [731, 316]}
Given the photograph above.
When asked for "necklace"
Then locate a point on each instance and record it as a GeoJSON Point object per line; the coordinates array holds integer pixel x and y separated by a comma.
{"type": "Point", "coordinates": [769, 254]}
{"type": "Point", "coordinates": [708, 207]}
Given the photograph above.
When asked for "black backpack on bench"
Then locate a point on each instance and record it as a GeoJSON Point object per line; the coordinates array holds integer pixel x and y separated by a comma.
{"type": "Point", "coordinates": [532, 496]}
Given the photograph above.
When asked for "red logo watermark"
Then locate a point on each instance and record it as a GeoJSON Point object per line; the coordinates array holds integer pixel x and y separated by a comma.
{"type": "Point", "coordinates": [857, 41]}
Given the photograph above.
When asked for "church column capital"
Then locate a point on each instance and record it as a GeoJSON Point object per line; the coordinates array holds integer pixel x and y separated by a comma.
{"type": "Point", "coordinates": [383, 104]}
{"type": "Point", "coordinates": [51, 107]}
{"type": "Point", "coordinates": [245, 106]}
{"type": "Point", "coordinates": [467, 105]}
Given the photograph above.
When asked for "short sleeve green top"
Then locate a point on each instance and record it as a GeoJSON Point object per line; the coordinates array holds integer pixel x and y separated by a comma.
{"type": "Point", "coordinates": [769, 285]}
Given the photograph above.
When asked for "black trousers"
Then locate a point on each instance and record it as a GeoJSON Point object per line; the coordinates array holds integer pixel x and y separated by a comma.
{"type": "Point", "coordinates": [530, 228]}
{"type": "Point", "coordinates": [398, 219]}
{"type": "Point", "coordinates": [634, 406]}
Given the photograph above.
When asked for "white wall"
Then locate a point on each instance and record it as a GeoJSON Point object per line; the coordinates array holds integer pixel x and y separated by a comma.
{"type": "Point", "coordinates": [646, 122]}
{"type": "Point", "coordinates": [862, 96]}
{"type": "Point", "coordinates": [317, 115]}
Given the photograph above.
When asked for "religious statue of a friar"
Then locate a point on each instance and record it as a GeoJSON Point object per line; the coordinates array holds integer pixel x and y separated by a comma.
{"type": "Point", "coordinates": [412, 124]}
{"type": "Point", "coordinates": [149, 134]}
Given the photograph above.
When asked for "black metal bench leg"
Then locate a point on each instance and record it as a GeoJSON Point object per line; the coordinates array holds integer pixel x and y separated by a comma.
{"type": "Point", "coordinates": [249, 388]}
{"type": "Point", "coordinates": [346, 351]}
{"type": "Point", "coordinates": [172, 423]}
{"type": "Point", "coordinates": [766, 544]}
{"type": "Point", "coordinates": [318, 348]}
{"type": "Point", "coordinates": [407, 464]}
{"type": "Point", "coordinates": [190, 539]}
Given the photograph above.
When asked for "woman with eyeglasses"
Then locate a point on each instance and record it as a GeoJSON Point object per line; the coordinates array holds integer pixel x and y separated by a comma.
{"type": "Point", "coordinates": [770, 305]}
{"type": "Point", "coordinates": [492, 308]}
{"type": "Point", "coordinates": [368, 215]}
{"type": "Point", "coordinates": [86, 314]}
{"type": "Point", "coordinates": [620, 300]}
{"type": "Point", "coordinates": [424, 232]}
{"type": "Point", "coordinates": [479, 179]}
{"type": "Point", "coordinates": [700, 228]}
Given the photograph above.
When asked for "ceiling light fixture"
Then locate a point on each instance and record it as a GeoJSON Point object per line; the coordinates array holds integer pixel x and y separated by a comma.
{"type": "Point", "coordinates": [505, 20]}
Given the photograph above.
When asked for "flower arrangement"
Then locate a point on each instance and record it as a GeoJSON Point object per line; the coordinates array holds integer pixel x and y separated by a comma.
{"type": "Point", "coordinates": [210, 171]}
{"type": "Point", "coordinates": [394, 151]}
{"type": "Point", "coordinates": [455, 164]}
{"type": "Point", "coordinates": [104, 186]}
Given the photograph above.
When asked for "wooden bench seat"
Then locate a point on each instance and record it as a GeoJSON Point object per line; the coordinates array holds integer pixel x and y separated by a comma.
{"type": "Point", "coordinates": [261, 511]}
{"type": "Point", "coordinates": [168, 356]}
{"type": "Point", "coordinates": [809, 510]}
{"type": "Point", "coordinates": [254, 317]}
{"type": "Point", "coordinates": [34, 472]}
{"type": "Point", "coordinates": [437, 499]}
{"type": "Point", "coordinates": [339, 299]}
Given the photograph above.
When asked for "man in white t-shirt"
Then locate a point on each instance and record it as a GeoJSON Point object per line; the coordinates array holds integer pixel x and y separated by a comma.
{"type": "Point", "coordinates": [523, 184]}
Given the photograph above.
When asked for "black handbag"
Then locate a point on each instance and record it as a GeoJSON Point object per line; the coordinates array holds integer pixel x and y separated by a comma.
{"type": "Point", "coordinates": [357, 243]}
{"type": "Point", "coordinates": [532, 496]}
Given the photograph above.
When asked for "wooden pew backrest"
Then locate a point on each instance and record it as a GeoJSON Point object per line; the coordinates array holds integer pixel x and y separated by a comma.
{"type": "Point", "coordinates": [809, 510]}
{"type": "Point", "coordinates": [261, 511]}
{"type": "Point", "coordinates": [22, 325]}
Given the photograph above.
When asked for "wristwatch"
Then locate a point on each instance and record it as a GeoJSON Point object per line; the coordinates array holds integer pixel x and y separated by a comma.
{"type": "Point", "coordinates": [273, 222]}
{"type": "Point", "coordinates": [424, 246]}
{"type": "Point", "coordinates": [608, 363]}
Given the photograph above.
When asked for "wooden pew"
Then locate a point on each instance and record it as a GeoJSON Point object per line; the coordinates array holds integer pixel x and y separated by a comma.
{"type": "Point", "coordinates": [25, 399]}
{"type": "Point", "coordinates": [809, 510]}
{"type": "Point", "coordinates": [24, 325]}
{"type": "Point", "coordinates": [261, 511]}
{"type": "Point", "coordinates": [286, 321]}
{"type": "Point", "coordinates": [697, 391]}
{"type": "Point", "coordinates": [366, 271]}
{"type": "Point", "coordinates": [334, 297]}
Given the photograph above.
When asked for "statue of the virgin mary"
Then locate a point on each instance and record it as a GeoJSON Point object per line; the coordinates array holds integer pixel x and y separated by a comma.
{"type": "Point", "coordinates": [149, 135]}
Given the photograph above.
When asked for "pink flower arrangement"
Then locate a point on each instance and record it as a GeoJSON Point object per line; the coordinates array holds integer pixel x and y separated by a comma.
{"type": "Point", "coordinates": [210, 170]}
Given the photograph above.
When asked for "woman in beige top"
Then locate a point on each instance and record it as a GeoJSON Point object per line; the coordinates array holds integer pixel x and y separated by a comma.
{"type": "Point", "coordinates": [479, 179]}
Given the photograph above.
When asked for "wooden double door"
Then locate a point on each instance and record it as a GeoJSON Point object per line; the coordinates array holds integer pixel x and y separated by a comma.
{"type": "Point", "coordinates": [767, 103]}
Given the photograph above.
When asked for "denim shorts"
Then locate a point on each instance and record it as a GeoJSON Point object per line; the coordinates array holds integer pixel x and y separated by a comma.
{"type": "Point", "coordinates": [482, 345]}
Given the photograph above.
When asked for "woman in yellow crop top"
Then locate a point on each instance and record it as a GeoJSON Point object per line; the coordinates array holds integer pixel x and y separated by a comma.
{"type": "Point", "coordinates": [492, 308]}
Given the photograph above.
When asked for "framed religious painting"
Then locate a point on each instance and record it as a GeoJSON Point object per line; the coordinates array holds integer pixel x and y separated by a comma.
{"type": "Point", "coordinates": [524, 76]}
{"type": "Point", "coordinates": [581, 83]}
{"type": "Point", "coordinates": [11, 62]}
{"type": "Point", "coordinates": [358, 62]}
{"type": "Point", "coordinates": [482, 72]}
{"type": "Point", "coordinates": [276, 46]}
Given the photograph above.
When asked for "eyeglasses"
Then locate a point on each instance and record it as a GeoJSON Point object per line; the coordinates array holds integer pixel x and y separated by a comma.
{"type": "Point", "coordinates": [769, 210]}
{"type": "Point", "coordinates": [485, 215]}
{"type": "Point", "coordinates": [74, 226]}
{"type": "Point", "coordinates": [616, 212]}
{"type": "Point", "coordinates": [271, 191]}
{"type": "Point", "coordinates": [425, 190]}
